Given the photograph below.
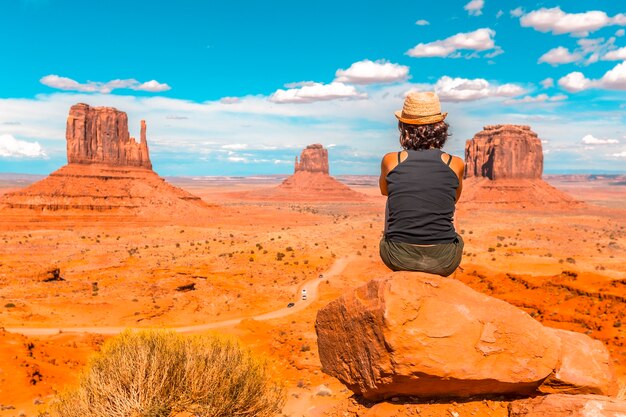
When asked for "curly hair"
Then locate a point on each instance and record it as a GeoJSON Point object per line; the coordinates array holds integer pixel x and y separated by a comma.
{"type": "Point", "coordinates": [423, 136]}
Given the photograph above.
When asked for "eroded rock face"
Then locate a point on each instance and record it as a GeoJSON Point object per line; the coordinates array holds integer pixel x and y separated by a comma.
{"type": "Point", "coordinates": [504, 151]}
{"type": "Point", "coordinates": [562, 405]}
{"type": "Point", "coordinates": [99, 135]}
{"type": "Point", "coordinates": [314, 158]}
{"type": "Point", "coordinates": [413, 334]}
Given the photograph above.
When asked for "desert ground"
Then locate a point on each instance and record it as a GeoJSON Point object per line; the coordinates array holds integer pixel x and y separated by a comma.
{"type": "Point", "coordinates": [235, 271]}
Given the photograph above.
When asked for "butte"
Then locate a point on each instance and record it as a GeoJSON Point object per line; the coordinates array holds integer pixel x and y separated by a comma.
{"type": "Point", "coordinates": [107, 171]}
{"type": "Point", "coordinates": [310, 181]}
{"type": "Point", "coordinates": [503, 169]}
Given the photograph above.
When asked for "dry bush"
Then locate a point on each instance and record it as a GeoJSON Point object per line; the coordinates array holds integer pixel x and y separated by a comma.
{"type": "Point", "coordinates": [160, 373]}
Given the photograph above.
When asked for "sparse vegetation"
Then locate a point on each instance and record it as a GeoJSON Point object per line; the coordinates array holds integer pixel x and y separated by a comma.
{"type": "Point", "coordinates": [160, 373]}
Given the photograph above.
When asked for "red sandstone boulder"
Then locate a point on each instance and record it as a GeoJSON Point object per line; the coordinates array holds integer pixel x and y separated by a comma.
{"type": "Point", "coordinates": [504, 151]}
{"type": "Point", "coordinates": [562, 405]}
{"type": "Point", "coordinates": [99, 135]}
{"type": "Point", "coordinates": [583, 367]}
{"type": "Point", "coordinates": [419, 335]}
{"type": "Point", "coordinates": [314, 158]}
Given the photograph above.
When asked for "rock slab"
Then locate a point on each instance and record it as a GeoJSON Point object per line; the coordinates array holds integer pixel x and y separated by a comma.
{"type": "Point", "coordinates": [504, 151]}
{"type": "Point", "coordinates": [563, 405]}
{"type": "Point", "coordinates": [99, 135]}
{"type": "Point", "coordinates": [583, 368]}
{"type": "Point", "coordinates": [419, 335]}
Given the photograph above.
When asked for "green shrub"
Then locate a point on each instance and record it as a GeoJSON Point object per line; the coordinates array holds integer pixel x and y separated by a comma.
{"type": "Point", "coordinates": [160, 373]}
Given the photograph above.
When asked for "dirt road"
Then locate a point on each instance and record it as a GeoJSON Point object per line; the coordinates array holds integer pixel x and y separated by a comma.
{"type": "Point", "coordinates": [311, 287]}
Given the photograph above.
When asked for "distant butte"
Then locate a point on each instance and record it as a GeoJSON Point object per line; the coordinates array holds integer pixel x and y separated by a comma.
{"type": "Point", "coordinates": [99, 135]}
{"type": "Point", "coordinates": [503, 168]}
{"type": "Point", "coordinates": [314, 158]}
{"type": "Point", "coordinates": [504, 151]}
{"type": "Point", "coordinates": [311, 180]}
{"type": "Point", "coordinates": [107, 171]}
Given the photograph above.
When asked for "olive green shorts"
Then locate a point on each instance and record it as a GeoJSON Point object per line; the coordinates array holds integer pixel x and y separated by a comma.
{"type": "Point", "coordinates": [441, 259]}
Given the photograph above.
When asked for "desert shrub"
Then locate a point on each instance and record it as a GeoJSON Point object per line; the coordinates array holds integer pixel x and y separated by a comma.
{"type": "Point", "coordinates": [160, 373]}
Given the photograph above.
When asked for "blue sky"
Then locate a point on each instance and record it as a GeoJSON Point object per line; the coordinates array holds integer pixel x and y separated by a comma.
{"type": "Point", "coordinates": [238, 88]}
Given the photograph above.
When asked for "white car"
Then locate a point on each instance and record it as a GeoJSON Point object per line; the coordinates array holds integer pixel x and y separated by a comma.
{"type": "Point", "coordinates": [304, 294]}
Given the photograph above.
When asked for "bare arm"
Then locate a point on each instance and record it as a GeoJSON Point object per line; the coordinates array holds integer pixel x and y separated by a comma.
{"type": "Point", "coordinates": [388, 163]}
{"type": "Point", "coordinates": [458, 167]}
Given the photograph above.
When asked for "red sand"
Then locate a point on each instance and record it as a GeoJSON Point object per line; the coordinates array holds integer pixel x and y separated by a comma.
{"type": "Point", "coordinates": [250, 257]}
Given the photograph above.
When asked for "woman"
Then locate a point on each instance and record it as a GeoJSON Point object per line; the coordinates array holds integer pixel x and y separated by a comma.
{"type": "Point", "coordinates": [422, 183]}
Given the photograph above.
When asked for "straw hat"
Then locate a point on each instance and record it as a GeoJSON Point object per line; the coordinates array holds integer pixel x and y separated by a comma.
{"type": "Point", "coordinates": [421, 108]}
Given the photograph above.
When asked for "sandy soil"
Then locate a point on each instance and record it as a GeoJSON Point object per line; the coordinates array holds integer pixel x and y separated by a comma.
{"type": "Point", "coordinates": [566, 269]}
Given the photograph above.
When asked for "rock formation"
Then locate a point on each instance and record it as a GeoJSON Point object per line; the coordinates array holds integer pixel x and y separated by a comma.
{"type": "Point", "coordinates": [562, 405]}
{"type": "Point", "coordinates": [412, 334]}
{"type": "Point", "coordinates": [107, 171]}
{"type": "Point", "coordinates": [504, 151]}
{"type": "Point", "coordinates": [99, 135]}
{"type": "Point", "coordinates": [503, 168]}
{"type": "Point", "coordinates": [310, 181]}
{"type": "Point", "coordinates": [314, 158]}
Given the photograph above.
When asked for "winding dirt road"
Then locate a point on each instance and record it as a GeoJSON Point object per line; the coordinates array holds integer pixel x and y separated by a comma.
{"type": "Point", "coordinates": [311, 287]}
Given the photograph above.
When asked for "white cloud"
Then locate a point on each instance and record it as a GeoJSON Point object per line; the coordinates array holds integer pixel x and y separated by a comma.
{"type": "Point", "coordinates": [575, 82]}
{"type": "Point", "coordinates": [475, 7]}
{"type": "Point", "coordinates": [14, 148]}
{"type": "Point", "coordinates": [620, 154]}
{"type": "Point", "coordinates": [558, 56]}
{"type": "Point", "coordinates": [300, 84]}
{"type": "Point", "coordinates": [152, 86]}
{"type": "Point", "coordinates": [237, 159]}
{"type": "Point", "coordinates": [316, 92]}
{"type": "Point", "coordinates": [540, 98]}
{"type": "Point", "coordinates": [615, 79]}
{"type": "Point", "coordinates": [230, 100]}
{"type": "Point", "coordinates": [497, 51]}
{"type": "Point", "coordinates": [616, 55]}
{"type": "Point", "coordinates": [547, 83]}
{"type": "Point", "coordinates": [462, 89]}
{"type": "Point", "coordinates": [517, 12]}
{"type": "Point", "coordinates": [589, 50]}
{"type": "Point", "coordinates": [499, 14]}
{"type": "Point", "coordinates": [478, 40]}
{"type": "Point", "coordinates": [580, 24]}
{"type": "Point", "coordinates": [620, 32]}
{"type": "Point", "coordinates": [422, 22]}
{"type": "Point", "coordinates": [591, 140]}
{"type": "Point", "coordinates": [235, 146]}
{"type": "Point", "coordinates": [372, 72]}
{"type": "Point", "coordinates": [595, 48]}
{"type": "Point", "coordinates": [68, 84]}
